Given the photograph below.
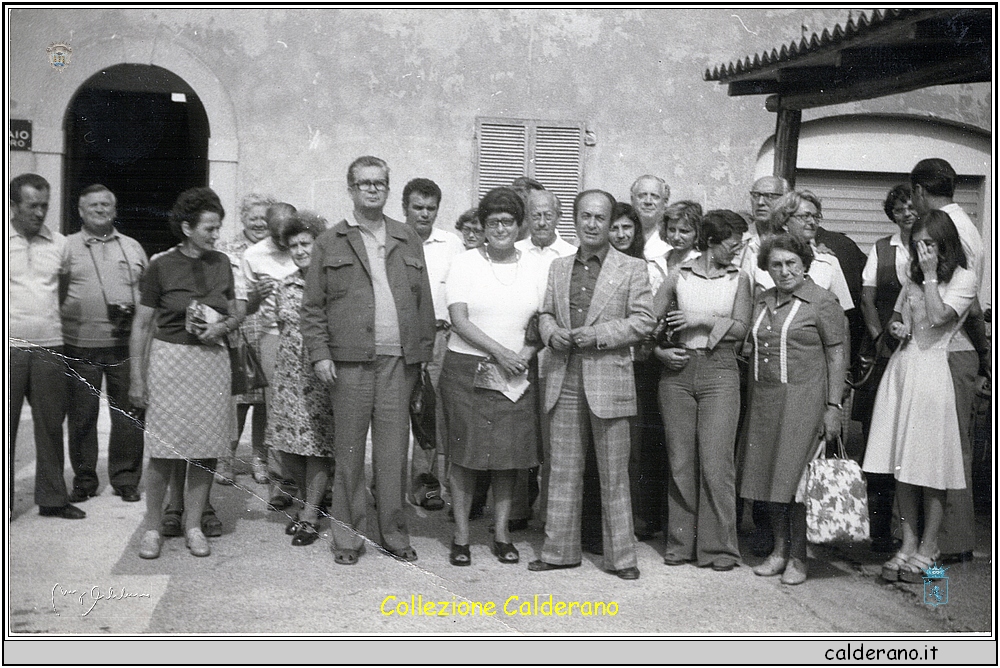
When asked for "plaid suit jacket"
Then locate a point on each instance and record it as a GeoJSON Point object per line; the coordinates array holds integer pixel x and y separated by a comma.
{"type": "Point", "coordinates": [620, 314]}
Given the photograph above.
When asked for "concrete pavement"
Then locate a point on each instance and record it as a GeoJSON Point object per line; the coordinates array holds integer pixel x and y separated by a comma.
{"type": "Point", "coordinates": [85, 577]}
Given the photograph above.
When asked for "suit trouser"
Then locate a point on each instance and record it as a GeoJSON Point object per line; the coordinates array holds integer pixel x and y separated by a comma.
{"type": "Point", "coordinates": [375, 394]}
{"type": "Point", "coordinates": [698, 405]}
{"type": "Point", "coordinates": [88, 366]}
{"type": "Point", "coordinates": [958, 528]}
{"type": "Point", "coordinates": [425, 461]}
{"type": "Point", "coordinates": [40, 374]}
{"type": "Point", "coordinates": [572, 424]}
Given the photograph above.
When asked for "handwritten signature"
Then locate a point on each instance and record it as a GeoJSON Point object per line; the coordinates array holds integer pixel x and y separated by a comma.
{"type": "Point", "coordinates": [92, 596]}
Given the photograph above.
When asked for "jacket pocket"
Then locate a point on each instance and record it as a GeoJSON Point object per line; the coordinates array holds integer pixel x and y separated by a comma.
{"type": "Point", "coordinates": [414, 270]}
{"type": "Point", "coordinates": [337, 271]}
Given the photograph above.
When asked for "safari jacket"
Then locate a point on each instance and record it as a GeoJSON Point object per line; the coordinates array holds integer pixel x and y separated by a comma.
{"type": "Point", "coordinates": [338, 306]}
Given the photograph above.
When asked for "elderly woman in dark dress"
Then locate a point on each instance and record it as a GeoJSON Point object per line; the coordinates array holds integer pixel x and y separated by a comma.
{"type": "Point", "coordinates": [798, 365]}
{"type": "Point", "coordinates": [180, 370]}
{"type": "Point", "coordinates": [493, 291]}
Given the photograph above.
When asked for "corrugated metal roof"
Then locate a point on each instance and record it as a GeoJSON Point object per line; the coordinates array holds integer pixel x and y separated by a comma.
{"type": "Point", "coordinates": [840, 36]}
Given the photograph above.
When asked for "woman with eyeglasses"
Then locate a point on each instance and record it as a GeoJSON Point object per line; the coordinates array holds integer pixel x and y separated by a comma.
{"type": "Point", "coordinates": [471, 229]}
{"type": "Point", "coordinates": [699, 386]}
{"type": "Point", "coordinates": [489, 406]}
{"type": "Point", "coordinates": [799, 213]}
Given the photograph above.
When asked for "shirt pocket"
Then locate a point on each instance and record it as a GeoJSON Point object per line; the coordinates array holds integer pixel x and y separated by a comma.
{"type": "Point", "coordinates": [337, 272]}
{"type": "Point", "coordinates": [414, 272]}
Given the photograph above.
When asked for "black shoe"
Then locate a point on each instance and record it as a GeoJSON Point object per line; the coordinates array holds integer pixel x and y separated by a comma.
{"type": "Point", "coordinates": [80, 495]}
{"type": "Point", "coordinates": [630, 573]}
{"type": "Point", "coordinates": [539, 565]}
{"type": "Point", "coordinates": [128, 493]}
{"type": "Point", "coordinates": [671, 560]}
{"type": "Point", "coordinates": [723, 566]}
{"type": "Point", "coordinates": [307, 534]}
{"type": "Point", "coordinates": [66, 512]}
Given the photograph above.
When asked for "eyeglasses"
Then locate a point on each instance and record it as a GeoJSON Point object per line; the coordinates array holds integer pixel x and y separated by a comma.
{"type": "Point", "coordinates": [380, 186]}
{"type": "Point", "coordinates": [770, 197]}
{"type": "Point", "coordinates": [807, 216]}
{"type": "Point", "coordinates": [547, 216]}
{"type": "Point", "coordinates": [494, 223]}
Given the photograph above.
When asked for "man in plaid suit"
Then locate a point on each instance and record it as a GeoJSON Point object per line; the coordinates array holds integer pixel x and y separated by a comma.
{"type": "Point", "coordinates": [598, 302]}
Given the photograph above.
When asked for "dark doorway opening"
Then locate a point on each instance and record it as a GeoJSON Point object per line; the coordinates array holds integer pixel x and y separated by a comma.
{"type": "Point", "coordinates": [141, 131]}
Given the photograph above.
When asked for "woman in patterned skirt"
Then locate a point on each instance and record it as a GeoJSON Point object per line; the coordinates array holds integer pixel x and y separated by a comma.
{"type": "Point", "coordinates": [302, 419]}
{"type": "Point", "coordinates": [181, 372]}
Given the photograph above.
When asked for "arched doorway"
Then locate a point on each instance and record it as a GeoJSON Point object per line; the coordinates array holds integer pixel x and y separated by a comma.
{"type": "Point", "coordinates": [143, 132]}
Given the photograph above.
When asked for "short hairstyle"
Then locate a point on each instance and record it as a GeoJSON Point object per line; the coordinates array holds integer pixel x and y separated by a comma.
{"type": "Point", "coordinates": [718, 225]}
{"type": "Point", "coordinates": [593, 191]}
{"type": "Point", "coordinates": [553, 198]}
{"type": "Point", "coordinates": [527, 183]}
{"type": "Point", "coordinates": [685, 210]}
{"type": "Point", "coordinates": [96, 188]}
{"type": "Point", "coordinates": [787, 242]}
{"type": "Point", "coordinates": [424, 187]}
{"type": "Point", "coordinates": [251, 200]}
{"type": "Point", "coordinates": [935, 175]}
{"type": "Point", "coordinates": [899, 193]}
{"type": "Point", "coordinates": [467, 216]}
{"type": "Point", "coordinates": [304, 221]}
{"type": "Point", "coordinates": [941, 228]}
{"type": "Point", "coordinates": [500, 200]}
{"type": "Point", "coordinates": [788, 204]}
{"type": "Point", "coordinates": [31, 180]}
{"type": "Point", "coordinates": [638, 246]}
{"type": "Point", "coordinates": [663, 184]}
{"type": "Point", "coordinates": [190, 205]}
{"type": "Point", "coordinates": [367, 161]}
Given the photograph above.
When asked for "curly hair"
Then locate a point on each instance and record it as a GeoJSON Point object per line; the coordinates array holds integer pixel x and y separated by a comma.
{"type": "Point", "coordinates": [190, 205]}
{"type": "Point", "coordinates": [718, 225]}
{"type": "Point", "coordinates": [303, 221]}
{"type": "Point", "coordinates": [939, 227]}
{"type": "Point", "coordinates": [788, 204]}
{"type": "Point", "coordinates": [250, 201]}
{"type": "Point", "coordinates": [787, 242]}
{"type": "Point", "coordinates": [899, 193]}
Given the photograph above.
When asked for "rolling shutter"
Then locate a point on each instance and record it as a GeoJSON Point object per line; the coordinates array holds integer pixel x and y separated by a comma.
{"type": "Point", "coordinates": [852, 201]}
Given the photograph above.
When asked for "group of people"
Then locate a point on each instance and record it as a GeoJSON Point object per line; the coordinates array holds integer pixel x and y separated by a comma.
{"type": "Point", "coordinates": [596, 384]}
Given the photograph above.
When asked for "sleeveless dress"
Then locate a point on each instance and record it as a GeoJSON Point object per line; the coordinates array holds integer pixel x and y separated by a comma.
{"type": "Point", "coordinates": [914, 433]}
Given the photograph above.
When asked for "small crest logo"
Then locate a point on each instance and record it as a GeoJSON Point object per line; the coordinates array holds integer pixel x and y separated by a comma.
{"type": "Point", "coordinates": [935, 585]}
{"type": "Point", "coordinates": [59, 56]}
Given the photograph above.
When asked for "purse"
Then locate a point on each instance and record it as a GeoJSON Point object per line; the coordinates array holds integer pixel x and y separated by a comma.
{"type": "Point", "coordinates": [532, 335]}
{"type": "Point", "coordinates": [423, 404]}
{"type": "Point", "coordinates": [836, 498]}
{"type": "Point", "coordinates": [244, 366]}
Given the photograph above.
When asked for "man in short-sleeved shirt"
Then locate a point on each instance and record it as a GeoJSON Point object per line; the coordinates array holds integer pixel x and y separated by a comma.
{"type": "Point", "coordinates": [37, 369]}
{"type": "Point", "coordinates": [101, 272]}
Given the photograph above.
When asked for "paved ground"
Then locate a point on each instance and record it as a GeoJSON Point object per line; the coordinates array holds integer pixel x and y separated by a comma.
{"type": "Point", "coordinates": [85, 577]}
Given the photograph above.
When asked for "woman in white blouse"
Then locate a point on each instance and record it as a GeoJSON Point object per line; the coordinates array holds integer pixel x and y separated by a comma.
{"type": "Point", "coordinates": [489, 405]}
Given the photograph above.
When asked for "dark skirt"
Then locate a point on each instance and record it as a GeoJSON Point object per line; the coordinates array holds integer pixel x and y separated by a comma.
{"type": "Point", "coordinates": [486, 431]}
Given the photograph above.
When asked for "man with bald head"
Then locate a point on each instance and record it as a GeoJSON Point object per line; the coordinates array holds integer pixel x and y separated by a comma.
{"type": "Point", "coordinates": [650, 195]}
{"type": "Point", "coordinates": [543, 212]}
{"type": "Point", "coordinates": [764, 192]}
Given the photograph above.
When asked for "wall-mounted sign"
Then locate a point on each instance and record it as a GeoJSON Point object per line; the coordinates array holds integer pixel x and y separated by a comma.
{"type": "Point", "coordinates": [20, 135]}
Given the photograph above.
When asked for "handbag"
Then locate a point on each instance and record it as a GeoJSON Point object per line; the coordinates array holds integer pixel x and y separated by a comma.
{"type": "Point", "coordinates": [836, 498]}
{"type": "Point", "coordinates": [532, 335]}
{"type": "Point", "coordinates": [423, 404]}
{"type": "Point", "coordinates": [244, 366]}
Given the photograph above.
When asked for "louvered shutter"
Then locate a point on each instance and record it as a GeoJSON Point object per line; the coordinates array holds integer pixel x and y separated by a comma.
{"type": "Point", "coordinates": [557, 165]}
{"type": "Point", "coordinates": [502, 149]}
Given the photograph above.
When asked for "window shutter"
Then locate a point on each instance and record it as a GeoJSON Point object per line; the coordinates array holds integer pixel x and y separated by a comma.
{"type": "Point", "coordinates": [502, 154]}
{"type": "Point", "coordinates": [557, 165]}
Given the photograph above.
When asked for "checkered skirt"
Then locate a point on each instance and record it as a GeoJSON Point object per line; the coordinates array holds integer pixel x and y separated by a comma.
{"type": "Point", "coordinates": [191, 414]}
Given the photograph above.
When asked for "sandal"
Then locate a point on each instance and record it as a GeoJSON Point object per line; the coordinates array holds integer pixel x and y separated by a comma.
{"type": "Point", "coordinates": [913, 570]}
{"type": "Point", "coordinates": [403, 554]}
{"type": "Point", "coordinates": [292, 527]}
{"type": "Point", "coordinates": [170, 525]}
{"type": "Point", "coordinates": [506, 553]}
{"type": "Point", "coordinates": [460, 555]}
{"type": "Point", "coordinates": [307, 534]}
{"type": "Point", "coordinates": [347, 557]}
{"type": "Point", "coordinates": [890, 569]}
{"type": "Point", "coordinates": [211, 526]}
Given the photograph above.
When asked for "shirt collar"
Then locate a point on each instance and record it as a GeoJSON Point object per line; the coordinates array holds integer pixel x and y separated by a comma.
{"type": "Point", "coordinates": [43, 232]}
{"type": "Point", "coordinates": [805, 292]}
{"type": "Point", "coordinates": [88, 236]}
{"type": "Point", "coordinates": [696, 269]}
{"type": "Point", "coordinates": [601, 255]}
